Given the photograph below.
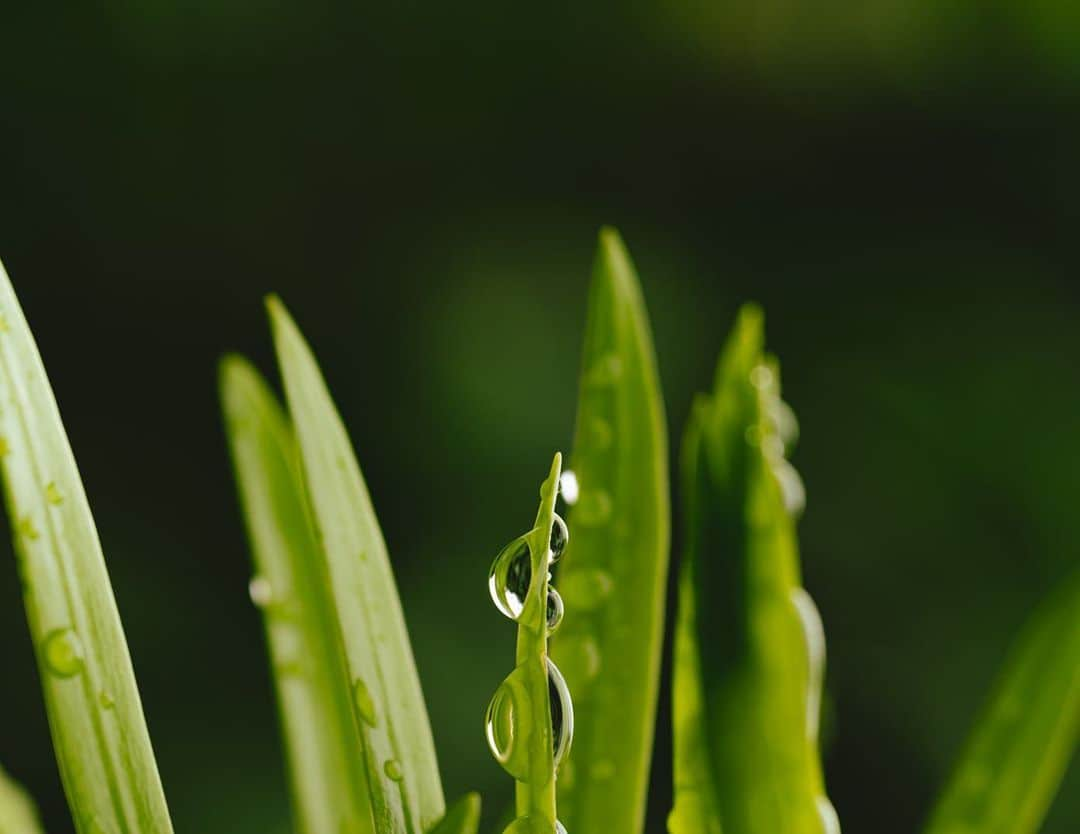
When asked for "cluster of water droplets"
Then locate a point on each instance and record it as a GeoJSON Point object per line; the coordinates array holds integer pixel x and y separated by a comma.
{"type": "Point", "coordinates": [776, 437]}
{"type": "Point", "coordinates": [509, 581]}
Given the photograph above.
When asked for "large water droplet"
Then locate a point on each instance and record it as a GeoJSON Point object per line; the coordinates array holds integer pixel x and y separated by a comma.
{"type": "Point", "coordinates": [560, 536]}
{"type": "Point", "coordinates": [586, 589]}
{"type": "Point", "coordinates": [568, 487]}
{"type": "Point", "coordinates": [555, 610]}
{"type": "Point", "coordinates": [365, 704]}
{"type": "Point", "coordinates": [63, 652]}
{"type": "Point", "coordinates": [593, 508]}
{"type": "Point", "coordinates": [508, 707]}
{"type": "Point", "coordinates": [510, 577]}
{"type": "Point", "coordinates": [562, 713]}
{"type": "Point", "coordinates": [261, 591]}
{"type": "Point", "coordinates": [392, 769]}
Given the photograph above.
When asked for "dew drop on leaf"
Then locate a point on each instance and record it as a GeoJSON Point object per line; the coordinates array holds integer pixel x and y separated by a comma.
{"type": "Point", "coordinates": [562, 713]}
{"type": "Point", "coordinates": [52, 494]}
{"type": "Point", "coordinates": [261, 591]}
{"type": "Point", "coordinates": [106, 700]}
{"type": "Point", "coordinates": [508, 707]}
{"type": "Point", "coordinates": [365, 704]}
{"type": "Point", "coordinates": [63, 652]}
{"type": "Point", "coordinates": [568, 487]}
{"type": "Point", "coordinates": [555, 610]}
{"type": "Point", "coordinates": [392, 769]}
{"type": "Point", "coordinates": [510, 577]}
{"type": "Point", "coordinates": [560, 536]}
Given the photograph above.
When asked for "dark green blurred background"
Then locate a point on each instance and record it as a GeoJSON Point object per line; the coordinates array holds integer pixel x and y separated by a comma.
{"type": "Point", "coordinates": [896, 183]}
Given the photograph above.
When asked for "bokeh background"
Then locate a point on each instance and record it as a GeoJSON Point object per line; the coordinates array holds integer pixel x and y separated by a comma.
{"type": "Point", "coordinates": [895, 181]}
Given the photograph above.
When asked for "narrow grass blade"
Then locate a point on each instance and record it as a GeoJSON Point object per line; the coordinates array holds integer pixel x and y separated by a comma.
{"type": "Point", "coordinates": [403, 774]}
{"type": "Point", "coordinates": [97, 723]}
{"type": "Point", "coordinates": [750, 647]}
{"type": "Point", "coordinates": [614, 574]}
{"type": "Point", "coordinates": [318, 713]}
{"type": "Point", "coordinates": [463, 817]}
{"type": "Point", "coordinates": [1021, 744]}
{"type": "Point", "coordinates": [17, 812]}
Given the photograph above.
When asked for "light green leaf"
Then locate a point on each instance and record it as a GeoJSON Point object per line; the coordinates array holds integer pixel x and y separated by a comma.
{"type": "Point", "coordinates": [318, 713]}
{"type": "Point", "coordinates": [402, 771]}
{"type": "Point", "coordinates": [749, 647]}
{"type": "Point", "coordinates": [1021, 744]}
{"type": "Point", "coordinates": [463, 817]}
{"type": "Point", "coordinates": [98, 729]}
{"type": "Point", "coordinates": [613, 578]}
{"type": "Point", "coordinates": [17, 812]}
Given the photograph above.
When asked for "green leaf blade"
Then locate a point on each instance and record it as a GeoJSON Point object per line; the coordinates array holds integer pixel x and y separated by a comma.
{"type": "Point", "coordinates": [314, 693]}
{"type": "Point", "coordinates": [1021, 745]}
{"type": "Point", "coordinates": [403, 772]}
{"type": "Point", "coordinates": [95, 715]}
{"type": "Point", "coordinates": [463, 817]}
{"type": "Point", "coordinates": [749, 643]}
{"type": "Point", "coordinates": [613, 576]}
{"type": "Point", "coordinates": [17, 812]}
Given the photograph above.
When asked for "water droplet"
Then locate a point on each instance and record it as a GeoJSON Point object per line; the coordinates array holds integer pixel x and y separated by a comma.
{"type": "Point", "coordinates": [605, 371]}
{"type": "Point", "coordinates": [586, 589]}
{"type": "Point", "coordinates": [508, 707]}
{"type": "Point", "coordinates": [392, 769]}
{"type": "Point", "coordinates": [562, 713]}
{"type": "Point", "coordinates": [785, 422]}
{"type": "Point", "coordinates": [568, 487]}
{"type": "Point", "coordinates": [559, 828]}
{"type": "Point", "coordinates": [27, 529]}
{"type": "Point", "coordinates": [560, 536]}
{"type": "Point", "coordinates": [555, 609]}
{"type": "Point", "coordinates": [580, 654]}
{"type": "Point", "coordinates": [106, 700]}
{"type": "Point", "coordinates": [593, 508]}
{"type": "Point", "coordinates": [52, 494]}
{"type": "Point", "coordinates": [791, 486]}
{"type": "Point", "coordinates": [63, 652]}
{"type": "Point", "coordinates": [510, 577]}
{"type": "Point", "coordinates": [762, 378]}
{"type": "Point", "coordinates": [261, 591]}
{"type": "Point", "coordinates": [365, 704]}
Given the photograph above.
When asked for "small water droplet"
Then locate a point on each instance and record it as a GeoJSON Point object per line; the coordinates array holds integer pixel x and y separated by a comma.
{"type": "Point", "coordinates": [392, 769]}
{"type": "Point", "coordinates": [261, 591]}
{"type": "Point", "coordinates": [106, 700]}
{"type": "Point", "coordinates": [586, 589]}
{"type": "Point", "coordinates": [559, 828]}
{"type": "Point", "coordinates": [510, 577]}
{"type": "Point", "coordinates": [52, 494]}
{"type": "Point", "coordinates": [562, 713]}
{"type": "Point", "coordinates": [605, 371]}
{"type": "Point", "coordinates": [560, 536]}
{"type": "Point", "coordinates": [508, 707]}
{"type": "Point", "coordinates": [365, 704]}
{"type": "Point", "coordinates": [761, 378]}
{"type": "Point", "coordinates": [785, 422]}
{"type": "Point", "coordinates": [593, 508]}
{"type": "Point", "coordinates": [555, 610]}
{"type": "Point", "coordinates": [63, 652]}
{"type": "Point", "coordinates": [791, 486]}
{"type": "Point", "coordinates": [27, 529]}
{"type": "Point", "coordinates": [580, 654]}
{"type": "Point", "coordinates": [568, 487]}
